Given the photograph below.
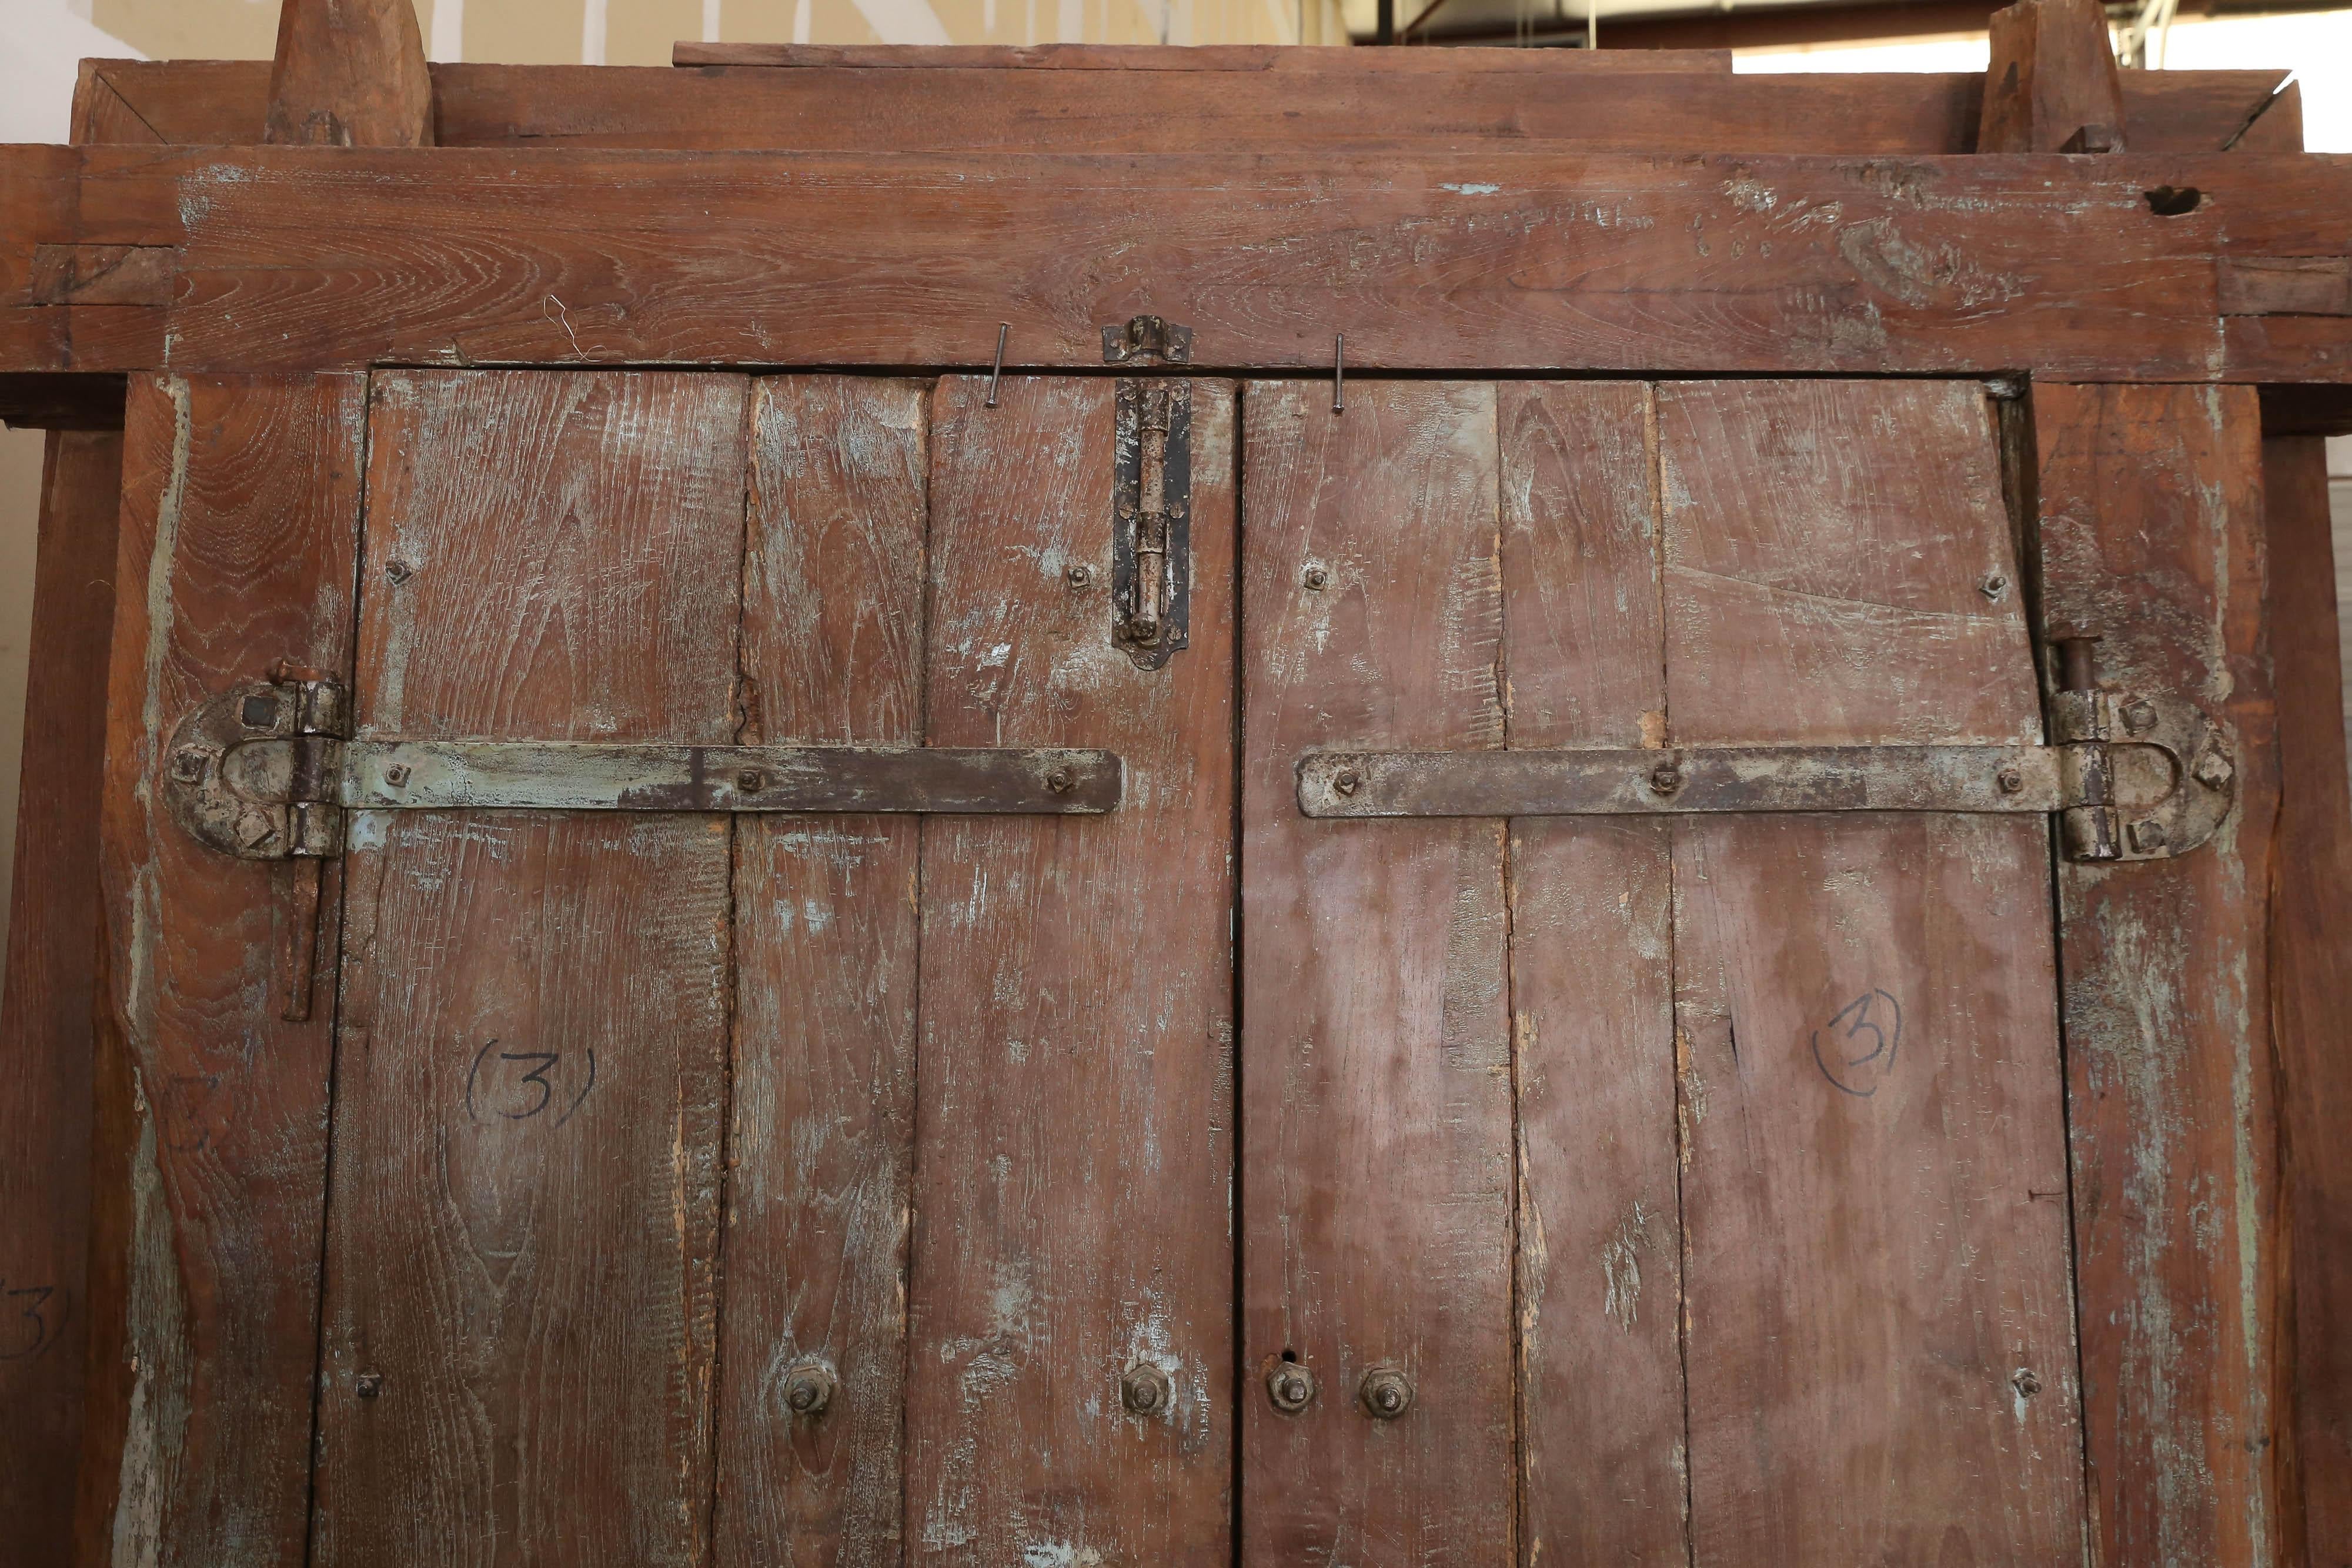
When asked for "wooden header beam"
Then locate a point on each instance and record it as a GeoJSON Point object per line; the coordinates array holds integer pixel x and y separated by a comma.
{"type": "Point", "coordinates": [252, 259]}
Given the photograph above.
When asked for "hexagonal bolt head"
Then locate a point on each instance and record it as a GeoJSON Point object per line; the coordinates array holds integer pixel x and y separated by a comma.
{"type": "Point", "coordinates": [2213, 770]}
{"type": "Point", "coordinates": [1994, 585]}
{"type": "Point", "coordinates": [188, 764]}
{"type": "Point", "coordinates": [1144, 1389]}
{"type": "Point", "coordinates": [750, 781]}
{"type": "Point", "coordinates": [1290, 1388]}
{"type": "Point", "coordinates": [1349, 782]}
{"type": "Point", "coordinates": [1317, 579]}
{"type": "Point", "coordinates": [2139, 718]}
{"type": "Point", "coordinates": [2011, 781]}
{"type": "Point", "coordinates": [808, 1387]}
{"type": "Point", "coordinates": [1386, 1392]}
{"type": "Point", "coordinates": [396, 774]}
{"type": "Point", "coordinates": [2147, 836]}
{"type": "Point", "coordinates": [1059, 781]}
{"type": "Point", "coordinates": [2026, 1383]}
{"type": "Point", "coordinates": [1079, 576]}
{"type": "Point", "coordinates": [368, 1384]}
{"type": "Point", "coordinates": [1666, 778]}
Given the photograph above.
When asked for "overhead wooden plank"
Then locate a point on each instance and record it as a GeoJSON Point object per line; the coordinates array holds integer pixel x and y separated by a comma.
{"type": "Point", "coordinates": [1377, 1146]}
{"type": "Point", "coordinates": [1251, 59]}
{"type": "Point", "coordinates": [1601, 1474]}
{"type": "Point", "coordinates": [532, 1052]}
{"type": "Point", "coordinates": [1075, 1153]}
{"type": "Point", "coordinates": [349, 73]}
{"type": "Point", "coordinates": [2311, 911]}
{"type": "Point", "coordinates": [2052, 85]}
{"type": "Point", "coordinates": [1876, 1268]}
{"type": "Point", "coordinates": [963, 109]}
{"type": "Point", "coordinates": [47, 1012]}
{"type": "Point", "coordinates": [821, 1148]}
{"type": "Point", "coordinates": [239, 538]}
{"type": "Point", "coordinates": [2150, 527]}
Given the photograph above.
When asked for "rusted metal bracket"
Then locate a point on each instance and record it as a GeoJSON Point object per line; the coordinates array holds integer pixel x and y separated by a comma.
{"type": "Point", "coordinates": [1147, 341]}
{"type": "Point", "coordinates": [1151, 521]}
{"type": "Point", "coordinates": [2165, 776]}
{"type": "Point", "coordinates": [262, 772]}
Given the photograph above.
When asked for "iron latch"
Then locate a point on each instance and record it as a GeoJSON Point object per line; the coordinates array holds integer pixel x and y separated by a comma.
{"type": "Point", "coordinates": [2130, 779]}
{"type": "Point", "coordinates": [1151, 523]}
{"type": "Point", "coordinates": [265, 772]}
{"type": "Point", "coordinates": [1147, 339]}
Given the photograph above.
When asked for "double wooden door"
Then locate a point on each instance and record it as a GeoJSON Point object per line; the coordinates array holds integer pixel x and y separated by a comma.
{"type": "Point", "coordinates": [1197, 1180]}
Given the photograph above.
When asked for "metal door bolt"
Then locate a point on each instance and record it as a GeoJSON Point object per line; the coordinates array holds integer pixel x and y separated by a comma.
{"type": "Point", "coordinates": [1290, 1387]}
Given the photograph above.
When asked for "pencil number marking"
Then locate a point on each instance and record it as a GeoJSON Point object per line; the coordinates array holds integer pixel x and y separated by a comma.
{"type": "Point", "coordinates": [522, 1085]}
{"type": "Point", "coordinates": [1855, 1050]}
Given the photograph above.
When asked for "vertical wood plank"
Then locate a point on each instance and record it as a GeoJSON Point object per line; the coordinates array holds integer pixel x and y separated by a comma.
{"type": "Point", "coordinates": [1881, 1364]}
{"type": "Point", "coordinates": [2150, 525]}
{"type": "Point", "coordinates": [1075, 1149]}
{"type": "Point", "coordinates": [2312, 955]}
{"type": "Point", "coordinates": [239, 530]}
{"type": "Point", "coordinates": [530, 1079]}
{"type": "Point", "coordinates": [349, 73]}
{"type": "Point", "coordinates": [1599, 1233]}
{"type": "Point", "coordinates": [45, 1029]}
{"type": "Point", "coordinates": [820, 1147]}
{"type": "Point", "coordinates": [1377, 1075]}
{"type": "Point", "coordinates": [2050, 83]}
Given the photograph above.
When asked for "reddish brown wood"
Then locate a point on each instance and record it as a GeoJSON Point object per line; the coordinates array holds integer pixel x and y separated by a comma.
{"type": "Point", "coordinates": [1601, 1459]}
{"type": "Point", "coordinates": [2150, 515]}
{"type": "Point", "coordinates": [1075, 1156]}
{"type": "Point", "coordinates": [821, 1148]}
{"type": "Point", "coordinates": [1352, 98]}
{"type": "Point", "coordinates": [1875, 1271]}
{"type": "Point", "coordinates": [532, 1052]}
{"type": "Point", "coordinates": [1376, 1157]}
{"type": "Point", "coordinates": [1254, 59]}
{"type": "Point", "coordinates": [2051, 86]}
{"type": "Point", "coordinates": [2311, 977]}
{"type": "Point", "coordinates": [240, 523]}
{"type": "Point", "coordinates": [2287, 286]}
{"type": "Point", "coordinates": [46, 1032]}
{"type": "Point", "coordinates": [349, 73]}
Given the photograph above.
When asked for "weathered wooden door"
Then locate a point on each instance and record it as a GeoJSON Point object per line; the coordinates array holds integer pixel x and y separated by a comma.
{"type": "Point", "coordinates": [1645, 1190]}
{"type": "Point", "coordinates": [708, 1182]}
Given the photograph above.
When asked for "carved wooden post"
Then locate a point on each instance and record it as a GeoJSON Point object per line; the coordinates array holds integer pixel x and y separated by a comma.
{"type": "Point", "coordinates": [350, 73]}
{"type": "Point", "coordinates": [2051, 86]}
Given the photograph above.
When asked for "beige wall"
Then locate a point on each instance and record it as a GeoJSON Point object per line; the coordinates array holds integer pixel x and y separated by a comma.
{"type": "Point", "coordinates": [20, 490]}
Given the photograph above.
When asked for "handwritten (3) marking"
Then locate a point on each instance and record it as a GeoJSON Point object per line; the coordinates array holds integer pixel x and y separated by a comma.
{"type": "Point", "coordinates": [24, 1327]}
{"type": "Point", "coordinates": [495, 1088]}
{"type": "Point", "coordinates": [1855, 1050]}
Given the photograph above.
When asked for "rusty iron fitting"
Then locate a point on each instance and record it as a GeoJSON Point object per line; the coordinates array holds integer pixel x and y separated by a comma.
{"type": "Point", "coordinates": [1386, 1392]}
{"type": "Point", "coordinates": [1290, 1388]}
{"type": "Point", "coordinates": [808, 1386]}
{"type": "Point", "coordinates": [1144, 1389]}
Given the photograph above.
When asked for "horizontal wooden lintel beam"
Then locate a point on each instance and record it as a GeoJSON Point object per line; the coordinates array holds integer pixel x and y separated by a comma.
{"type": "Point", "coordinates": [287, 259]}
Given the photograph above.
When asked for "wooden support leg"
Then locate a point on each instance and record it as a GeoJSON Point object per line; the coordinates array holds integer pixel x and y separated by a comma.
{"type": "Point", "coordinates": [45, 1015]}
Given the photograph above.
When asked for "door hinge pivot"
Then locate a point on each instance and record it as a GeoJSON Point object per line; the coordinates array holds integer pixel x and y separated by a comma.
{"type": "Point", "coordinates": [264, 772]}
{"type": "Point", "coordinates": [1146, 341]}
{"type": "Point", "coordinates": [1151, 523]}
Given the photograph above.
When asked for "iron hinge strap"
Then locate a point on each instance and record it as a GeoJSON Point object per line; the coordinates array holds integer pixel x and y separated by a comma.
{"type": "Point", "coordinates": [261, 772]}
{"type": "Point", "coordinates": [2168, 779]}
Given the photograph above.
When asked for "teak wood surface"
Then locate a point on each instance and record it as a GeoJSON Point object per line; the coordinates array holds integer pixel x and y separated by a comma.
{"type": "Point", "coordinates": [1476, 212]}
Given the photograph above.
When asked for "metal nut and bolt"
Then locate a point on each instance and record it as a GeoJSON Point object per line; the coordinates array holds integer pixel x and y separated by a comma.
{"type": "Point", "coordinates": [1994, 585]}
{"type": "Point", "coordinates": [368, 1384]}
{"type": "Point", "coordinates": [2148, 837]}
{"type": "Point", "coordinates": [2011, 781]}
{"type": "Point", "coordinates": [1290, 1388]}
{"type": "Point", "coordinates": [1348, 781]}
{"type": "Point", "coordinates": [2026, 1383]}
{"type": "Point", "coordinates": [1079, 576]}
{"type": "Point", "coordinates": [2213, 770]}
{"type": "Point", "coordinates": [1317, 579]}
{"type": "Point", "coordinates": [1666, 778]}
{"type": "Point", "coordinates": [188, 764]}
{"type": "Point", "coordinates": [1385, 1393]}
{"type": "Point", "coordinates": [1144, 1389]}
{"type": "Point", "coordinates": [808, 1387]}
{"type": "Point", "coordinates": [397, 570]}
{"type": "Point", "coordinates": [1059, 781]}
{"type": "Point", "coordinates": [396, 774]}
{"type": "Point", "coordinates": [750, 781]}
{"type": "Point", "coordinates": [2139, 718]}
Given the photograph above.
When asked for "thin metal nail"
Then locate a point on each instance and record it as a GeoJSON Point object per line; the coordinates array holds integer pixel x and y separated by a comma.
{"type": "Point", "coordinates": [997, 370]}
{"type": "Point", "coordinates": [1339, 370]}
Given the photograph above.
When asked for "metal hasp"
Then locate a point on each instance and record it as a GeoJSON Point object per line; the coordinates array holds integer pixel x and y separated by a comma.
{"type": "Point", "coordinates": [1147, 341]}
{"type": "Point", "coordinates": [2133, 779]}
{"type": "Point", "coordinates": [1152, 520]}
{"type": "Point", "coordinates": [262, 772]}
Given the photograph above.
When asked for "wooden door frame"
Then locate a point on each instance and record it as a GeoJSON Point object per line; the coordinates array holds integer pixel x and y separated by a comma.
{"type": "Point", "coordinates": [1675, 221]}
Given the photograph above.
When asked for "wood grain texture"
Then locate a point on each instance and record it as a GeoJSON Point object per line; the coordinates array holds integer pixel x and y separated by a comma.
{"type": "Point", "coordinates": [1074, 1152]}
{"type": "Point", "coordinates": [1377, 1151]}
{"type": "Point", "coordinates": [2150, 532]}
{"type": "Point", "coordinates": [2052, 85]}
{"type": "Point", "coordinates": [1245, 60]}
{"type": "Point", "coordinates": [1715, 264]}
{"type": "Point", "coordinates": [906, 106]}
{"type": "Point", "coordinates": [1601, 1459]}
{"type": "Point", "coordinates": [1876, 1274]}
{"type": "Point", "coordinates": [2311, 976]}
{"type": "Point", "coordinates": [47, 1012]}
{"type": "Point", "coordinates": [1847, 541]}
{"type": "Point", "coordinates": [532, 1053]}
{"type": "Point", "coordinates": [821, 1148]}
{"type": "Point", "coordinates": [349, 73]}
{"type": "Point", "coordinates": [239, 534]}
